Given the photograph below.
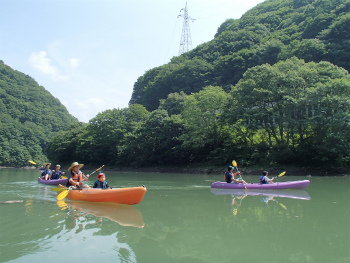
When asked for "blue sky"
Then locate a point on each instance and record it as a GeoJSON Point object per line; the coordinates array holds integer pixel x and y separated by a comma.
{"type": "Point", "coordinates": [89, 53]}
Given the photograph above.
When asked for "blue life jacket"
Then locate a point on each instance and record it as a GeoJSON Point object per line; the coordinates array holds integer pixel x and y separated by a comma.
{"type": "Point", "coordinates": [261, 179]}
{"type": "Point", "coordinates": [56, 175]}
{"type": "Point", "coordinates": [104, 184]}
{"type": "Point", "coordinates": [46, 171]}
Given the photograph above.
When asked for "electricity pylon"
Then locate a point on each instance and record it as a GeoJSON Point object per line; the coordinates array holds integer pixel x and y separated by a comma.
{"type": "Point", "coordinates": [186, 42]}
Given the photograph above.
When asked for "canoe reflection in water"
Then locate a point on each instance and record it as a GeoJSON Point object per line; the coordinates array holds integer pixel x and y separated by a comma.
{"type": "Point", "coordinates": [237, 195]}
{"type": "Point", "coordinates": [124, 215]}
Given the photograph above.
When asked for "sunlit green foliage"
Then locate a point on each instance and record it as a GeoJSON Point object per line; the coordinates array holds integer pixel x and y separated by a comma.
{"type": "Point", "coordinates": [29, 117]}
{"type": "Point", "coordinates": [270, 32]}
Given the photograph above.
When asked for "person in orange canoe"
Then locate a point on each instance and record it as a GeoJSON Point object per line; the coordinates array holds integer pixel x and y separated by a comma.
{"type": "Point", "coordinates": [76, 177]}
{"type": "Point", "coordinates": [101, 182]}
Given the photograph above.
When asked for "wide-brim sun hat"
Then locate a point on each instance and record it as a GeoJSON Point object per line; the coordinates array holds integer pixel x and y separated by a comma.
{"type": "Point", "coordinates": [75, 164]}
{"type": "Point", "coordinates": [47, 164]}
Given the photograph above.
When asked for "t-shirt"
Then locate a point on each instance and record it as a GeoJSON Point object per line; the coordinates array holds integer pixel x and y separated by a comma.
{"type": "Point", "coordinates": [228, 177]}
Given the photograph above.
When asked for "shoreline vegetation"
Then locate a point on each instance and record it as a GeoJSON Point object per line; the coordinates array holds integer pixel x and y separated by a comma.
{"type": "Point", "coordinates": [295, 171]}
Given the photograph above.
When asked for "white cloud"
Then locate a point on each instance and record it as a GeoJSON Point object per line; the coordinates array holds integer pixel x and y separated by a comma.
{"type": "Point", "coordinates": [74, 62]}
{"type": "Point", "coordinates": [41, 62]}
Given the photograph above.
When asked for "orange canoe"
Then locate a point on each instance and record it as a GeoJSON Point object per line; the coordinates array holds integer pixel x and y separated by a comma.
{"type": "Point", "coordinates": [127, 196]}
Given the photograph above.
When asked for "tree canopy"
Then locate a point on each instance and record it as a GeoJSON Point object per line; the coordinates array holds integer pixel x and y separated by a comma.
{"type": "Point", "coordinates": [273, 31]}
{"type": "Point", "coordinates": [293, 112]}
{"type": "Point", "coordinates": [29, 118]}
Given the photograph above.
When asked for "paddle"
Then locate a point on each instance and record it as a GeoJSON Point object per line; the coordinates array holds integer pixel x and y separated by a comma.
{"type": "Point", "coordinates": [234, 163]}
{"type": "Point", "coordinates": [65, 192]}
{"type": "Point", "coordinates": [34, 163]}
{"type": "Point", "coordinates": [280, 175]}
{"type": "Point", "coordinates": [58, 189]}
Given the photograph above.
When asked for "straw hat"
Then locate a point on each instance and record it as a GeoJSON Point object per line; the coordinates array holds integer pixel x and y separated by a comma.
{"type": "Point", "coordinates": [75, 164]}
{"type": "Point", "coordinates": [47, 164]}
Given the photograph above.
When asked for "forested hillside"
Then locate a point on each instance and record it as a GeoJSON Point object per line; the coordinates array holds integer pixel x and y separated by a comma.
{"type": "Point", "coordinates": [275, 30]}
{"type": "Point", "coordinates": [29, 118]}
{"type": "Point", "coordinates": [271, 89]}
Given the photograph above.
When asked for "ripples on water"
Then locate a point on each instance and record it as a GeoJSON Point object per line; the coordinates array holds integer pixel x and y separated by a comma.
{"type": "Point", "coordinates": [181, 219]}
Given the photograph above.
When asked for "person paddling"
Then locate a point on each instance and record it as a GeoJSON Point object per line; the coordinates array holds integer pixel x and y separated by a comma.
{"type": "Point", "coordinates": [46, 172]}
{"type": "Point", "coordinates": [230, 176]}
{"type": "Point", "coordinates": [76, 177]}
{"type": "Point", "coordinates": [101, 182]}
{"type": "Point", "coordinates": [264, 179]}
{"type": "Point", "coordinates": [56, 174]}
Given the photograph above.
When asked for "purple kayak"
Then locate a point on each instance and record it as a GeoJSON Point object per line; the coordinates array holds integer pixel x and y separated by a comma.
{"type": "Point", "coordinates": [302, 184]}
{"type": "Point", "coordinates": [53, 182]}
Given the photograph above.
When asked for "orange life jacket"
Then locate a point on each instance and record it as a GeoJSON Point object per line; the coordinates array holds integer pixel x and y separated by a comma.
{"type": "Point", "coordinates": [76, 178]}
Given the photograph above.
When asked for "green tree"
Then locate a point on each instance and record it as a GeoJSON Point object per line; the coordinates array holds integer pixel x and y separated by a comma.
{"type": "Point", "coordinates": [291, 102]}
{"type": "Point", "coordinates": [204, 129]}
{"type": "Point", "coordinates": [155, 142]}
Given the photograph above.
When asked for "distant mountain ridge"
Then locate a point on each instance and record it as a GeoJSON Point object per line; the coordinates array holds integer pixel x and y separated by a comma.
{"type": "Point", "coordinates": [29, 117]}
{"type": "Point", "coordinates": [275, 30]}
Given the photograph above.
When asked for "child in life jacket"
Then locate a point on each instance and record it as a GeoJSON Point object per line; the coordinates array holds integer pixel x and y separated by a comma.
{"type": "Point", "coordinates": [56, 174]}
{"type": "Point", "coordinates": [264, 179]}
{"type": "Point", "coordinates": [101, 182]}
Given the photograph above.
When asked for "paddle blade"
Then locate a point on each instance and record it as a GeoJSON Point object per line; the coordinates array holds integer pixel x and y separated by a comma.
{"type": "Point", "coordinates": [64, 177]}
{"type": "Point", "coordinates": [234, 163]}
{"type": "Point", "coordinates": [62, 195]}
{"type": "Point", "coordinates": [281, 174]}
{"type": "Point", "coordinates": [34, 163]}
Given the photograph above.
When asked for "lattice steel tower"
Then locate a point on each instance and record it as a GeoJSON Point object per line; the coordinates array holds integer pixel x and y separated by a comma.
{"type": "Point", "coordinates": [186, 42]}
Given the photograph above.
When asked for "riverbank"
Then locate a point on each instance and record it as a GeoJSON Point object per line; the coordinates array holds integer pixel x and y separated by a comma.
{"type": "Point", "coordinates": [295, 171]}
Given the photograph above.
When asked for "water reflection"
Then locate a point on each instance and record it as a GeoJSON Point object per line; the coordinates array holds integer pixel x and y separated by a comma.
{"type": "Point", "coordinates": [124, 215]}
{"type": "Point", "coordinates": [293, 194]}
{"type": "Point", "coordinates": [234, 197]}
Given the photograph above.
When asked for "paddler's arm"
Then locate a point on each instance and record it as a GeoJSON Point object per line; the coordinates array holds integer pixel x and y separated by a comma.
{"type": "Point", "coordinates": [86, 177]}
{"type": "Point", "coordinates": [238, 181]}
{"type": "Point", "coordinates": [72, 182]}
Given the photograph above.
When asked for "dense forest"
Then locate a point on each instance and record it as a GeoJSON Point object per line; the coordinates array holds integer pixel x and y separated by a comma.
{"type": "Point", "coordinates": [273, 31]}
{"type": "Point", "coordinates": [272, 88]}
{"type": "Point", "coordinates": [29, 118]}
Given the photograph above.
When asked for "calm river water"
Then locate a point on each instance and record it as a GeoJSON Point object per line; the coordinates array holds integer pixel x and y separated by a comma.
{"type": "Point", "coordinates": [181, 219]}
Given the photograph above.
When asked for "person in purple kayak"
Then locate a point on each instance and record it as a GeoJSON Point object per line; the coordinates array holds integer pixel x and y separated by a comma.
{"type": "Point", "coordinates": [56, 174]}
{"type": "Point", "coordinates": [230, 176]}
{"type": "Point", "coordinates": [46, 172]}
{"type": "Point", "coordinates": [264, 179]}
